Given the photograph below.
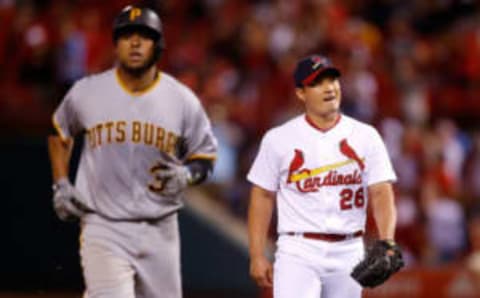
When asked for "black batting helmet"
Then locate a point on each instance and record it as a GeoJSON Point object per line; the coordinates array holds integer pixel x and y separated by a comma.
{"type": "Point", "coordinates": [132, 17]}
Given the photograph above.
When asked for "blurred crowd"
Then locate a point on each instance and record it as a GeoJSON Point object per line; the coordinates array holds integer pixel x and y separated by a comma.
{"type": "Point", "coordinates": [411, 68]}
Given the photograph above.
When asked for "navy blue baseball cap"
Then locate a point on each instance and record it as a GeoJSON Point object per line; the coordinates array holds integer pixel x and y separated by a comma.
{"type": "Point", "coordinates": [309, 68]}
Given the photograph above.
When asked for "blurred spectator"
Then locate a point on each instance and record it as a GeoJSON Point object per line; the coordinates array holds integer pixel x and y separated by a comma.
{"type": "Point", "coordinates": [34, 51]}
{"type": "Point", "coordinates": [98, 40]}
{"type": "Point", "coordinates": [473, 259]}
{"type": "Point", "coordinates": [471, 185]}
{"type": "Point", "coordinates": [452, 149]}
{"type": "Point", "coordinates": [72, 56]}
{"type": "Point", "coordinates": [361, 88]}
{"type": "Point", "coordinates": [408, 236]}
{"type": "Point", "coordinates": [407, 163]}
{"type": "Point", "coordinates": [445, 225]}
{"type": "Point", "coordinates": [229, 138]}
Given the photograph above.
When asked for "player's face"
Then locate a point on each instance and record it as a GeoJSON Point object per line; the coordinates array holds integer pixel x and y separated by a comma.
{"type": "Point", "coordinates": [322, 98]}
{"type": "Point", "coordinates": [135, 50]}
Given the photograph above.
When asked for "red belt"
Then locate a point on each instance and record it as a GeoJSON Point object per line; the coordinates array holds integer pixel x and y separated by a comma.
{"type": "Point", "coordinates": [327, 237]}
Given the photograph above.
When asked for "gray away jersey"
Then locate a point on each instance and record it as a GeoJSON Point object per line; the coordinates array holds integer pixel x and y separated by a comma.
{"type": "Point", "coordinates": [126, 136]}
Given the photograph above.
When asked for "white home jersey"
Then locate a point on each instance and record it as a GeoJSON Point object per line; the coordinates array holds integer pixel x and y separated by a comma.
{"type": "Point", "coordinates": [126, 135]}
{"type": "Point", "coordinates": [320, 177]}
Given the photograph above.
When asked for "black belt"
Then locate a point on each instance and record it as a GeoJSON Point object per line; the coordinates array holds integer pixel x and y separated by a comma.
{"type": "Point", "coordinates": [326, 237]}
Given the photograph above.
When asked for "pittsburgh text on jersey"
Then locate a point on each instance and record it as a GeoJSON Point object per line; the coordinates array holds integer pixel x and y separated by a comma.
{"type": "Point", "coordinates": [135, 132]}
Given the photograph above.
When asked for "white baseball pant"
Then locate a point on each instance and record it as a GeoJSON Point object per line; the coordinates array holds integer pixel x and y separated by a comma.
{"type": "Point", "coordinates": [308, 268]}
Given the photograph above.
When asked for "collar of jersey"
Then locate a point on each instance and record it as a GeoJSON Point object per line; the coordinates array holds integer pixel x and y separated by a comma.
{"type": "Point", "coordinates": [141, 92]}
{"type": "Point", "coordinates": [322, 130]}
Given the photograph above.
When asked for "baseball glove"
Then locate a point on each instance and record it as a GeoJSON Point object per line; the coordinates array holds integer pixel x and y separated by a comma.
{"type": "Point", "coordinates": [382, 260]}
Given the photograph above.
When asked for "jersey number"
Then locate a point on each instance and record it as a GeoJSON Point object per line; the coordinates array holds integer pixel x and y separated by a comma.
{"type": "Point", "coordinates": [157, 184]}
{"type": "Point", "coordinates": [350, 199]}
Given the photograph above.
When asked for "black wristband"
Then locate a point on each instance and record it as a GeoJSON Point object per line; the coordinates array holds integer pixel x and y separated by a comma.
{"type": "Point", "coordinates": [199, 169]}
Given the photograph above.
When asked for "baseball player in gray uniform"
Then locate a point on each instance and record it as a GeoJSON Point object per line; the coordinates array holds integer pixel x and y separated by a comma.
{"type": "Point", "coordinates": [147, 138]}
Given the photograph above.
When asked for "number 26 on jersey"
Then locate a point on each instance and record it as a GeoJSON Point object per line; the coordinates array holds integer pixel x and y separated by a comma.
{"type": "Point", "coordinates": [350, 198]}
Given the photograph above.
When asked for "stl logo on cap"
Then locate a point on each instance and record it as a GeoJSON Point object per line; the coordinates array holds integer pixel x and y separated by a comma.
{"type": "Point", "coordinates": [317, 61]}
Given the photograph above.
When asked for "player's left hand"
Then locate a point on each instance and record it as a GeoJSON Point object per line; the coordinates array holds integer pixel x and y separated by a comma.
{"type": "Point", "coordinates": [176, 178]}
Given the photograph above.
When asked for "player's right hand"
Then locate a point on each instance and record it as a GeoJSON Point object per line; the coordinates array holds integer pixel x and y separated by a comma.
{"type": "Point", "coordinates": [176, 178]}
{"type": "Point", "coordinates": [67, 201]}
{"type": "Point", "coordinates": [261, 271]}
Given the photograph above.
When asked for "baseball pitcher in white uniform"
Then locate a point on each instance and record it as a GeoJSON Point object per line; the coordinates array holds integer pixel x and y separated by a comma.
{"type": "Point", "coordinates": [319, 169]}
{"type": "Point", "coordinates": [146, 138]}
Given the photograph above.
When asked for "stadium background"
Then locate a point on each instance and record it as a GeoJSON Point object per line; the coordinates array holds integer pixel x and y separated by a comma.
{"type": "Point", "coordinates": [411, 68]}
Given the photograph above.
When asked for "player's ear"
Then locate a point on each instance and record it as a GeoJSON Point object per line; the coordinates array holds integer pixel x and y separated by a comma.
{"type": "Point", "coordinates": [300, 94]}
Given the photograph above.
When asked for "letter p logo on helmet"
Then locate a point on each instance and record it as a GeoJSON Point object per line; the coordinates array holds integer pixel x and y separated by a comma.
{"type": "Point", "coordinates": [135, 13]}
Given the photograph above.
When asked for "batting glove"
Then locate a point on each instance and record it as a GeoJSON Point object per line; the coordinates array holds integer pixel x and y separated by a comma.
{"type": "Point", "coordinates": [176, 178]}
{"type": "Point", "coordinates": [67, 201]}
